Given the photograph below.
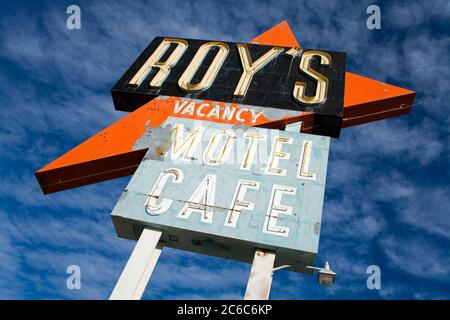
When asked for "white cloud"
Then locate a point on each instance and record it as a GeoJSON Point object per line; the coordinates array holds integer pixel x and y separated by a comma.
{"type": "Point", "coordinates": [416, 257]}
{"type": "Point", "coordinates": [404, 15]}
{"type": "Point", "coordinates": [179, 271]}
{"type": "Point", "coordinates": [394, 138]}
{"type": "Point", "coordinates": [24, 189]}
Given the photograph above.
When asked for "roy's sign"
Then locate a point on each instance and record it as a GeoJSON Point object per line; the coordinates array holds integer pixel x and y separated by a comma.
{"type": "Point", "coordinates": [225, 190]}
{"type": "Point", "coordinates": [116, 151]}
{"type": "Point", "coordinates": [284, 78]}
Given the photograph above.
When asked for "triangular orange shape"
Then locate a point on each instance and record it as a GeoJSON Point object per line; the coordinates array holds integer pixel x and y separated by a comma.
{"type": "Point", "coordinates": [280, 35]}
{"type": "Point", "coordinates": [116, 151]}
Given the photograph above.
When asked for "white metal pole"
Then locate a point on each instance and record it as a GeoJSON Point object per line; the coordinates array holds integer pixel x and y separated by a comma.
{"type": "Point", "coordinates": [260, 279]}
{"type": "Point", "coordinates": [139, 268]}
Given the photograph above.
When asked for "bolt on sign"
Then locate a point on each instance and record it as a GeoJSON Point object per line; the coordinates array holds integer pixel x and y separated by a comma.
{"type": "Point", "coordinates": [286, 78]}
{"type": "Point", "coordinates": [224, 190]}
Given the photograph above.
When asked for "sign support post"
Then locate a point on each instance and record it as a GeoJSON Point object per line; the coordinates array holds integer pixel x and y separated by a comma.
{"type": "Point", "coordinates": [139, 268]}
{"type": "Point", "coordinates": [276, 189]}
{"type": "Point", "coordinates": [260, 279]}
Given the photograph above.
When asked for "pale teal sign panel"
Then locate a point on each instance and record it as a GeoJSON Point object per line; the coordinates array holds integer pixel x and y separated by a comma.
{"type": "Point", "coordinates": [225, 190]}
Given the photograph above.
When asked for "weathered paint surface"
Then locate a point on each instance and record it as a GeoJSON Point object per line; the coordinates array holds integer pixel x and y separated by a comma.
{"type": "Point", "coordinates": [113, 152]}
{"type": "Point", "coordinates": [212, 235]}
{"type": "Point", "coordinates": [273, 85]}
{"type": "Point", "coordinates": [260, 279]}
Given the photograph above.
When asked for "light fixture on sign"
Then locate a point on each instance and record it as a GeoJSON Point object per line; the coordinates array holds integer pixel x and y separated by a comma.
{"type": "Point", "coordinates": [325, 276]}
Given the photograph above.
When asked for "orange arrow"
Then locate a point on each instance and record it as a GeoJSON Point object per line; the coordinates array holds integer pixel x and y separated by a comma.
{"type": "Point", "coordinates": [117, 150]}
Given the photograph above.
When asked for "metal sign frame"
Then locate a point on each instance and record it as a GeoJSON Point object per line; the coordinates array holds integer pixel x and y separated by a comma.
{"type": "Point", "coordinates": [118, 150]}
{"type": "Point", "coordinates": [268, 176]}
{"type": "Point", "coordinates": [112, 153]}
{"type": "Point", "coordinates": [276, 77]}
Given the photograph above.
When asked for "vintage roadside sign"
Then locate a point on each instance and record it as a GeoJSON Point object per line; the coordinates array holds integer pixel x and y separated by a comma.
{"type": "Point", "coordinates": [116, 151]}
{"type": "Point", "coordinates": [214, 172]}
{"type": "Point", "coordinates": [253, 75]}
{"type": "Point", "coordinates": [225, 190]}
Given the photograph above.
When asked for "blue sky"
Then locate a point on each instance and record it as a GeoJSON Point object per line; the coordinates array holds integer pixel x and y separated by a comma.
{"type": "Point", "coordinates": [387, 197]}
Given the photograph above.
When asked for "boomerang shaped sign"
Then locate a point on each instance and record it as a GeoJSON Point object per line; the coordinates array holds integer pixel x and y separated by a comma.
{"type": "Point", "coordinates": [290, 95]}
